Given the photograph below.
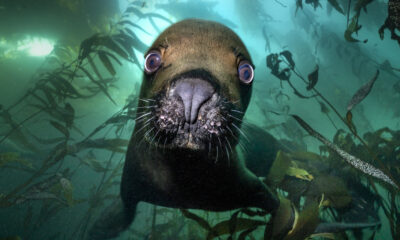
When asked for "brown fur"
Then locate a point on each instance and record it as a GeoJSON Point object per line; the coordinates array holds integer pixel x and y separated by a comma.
{"type": "Point", "coordinates": [192, 44]}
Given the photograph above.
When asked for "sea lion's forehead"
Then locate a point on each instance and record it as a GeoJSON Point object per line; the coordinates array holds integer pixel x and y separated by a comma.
{"type": "Point", "coordinates": [195, 33]}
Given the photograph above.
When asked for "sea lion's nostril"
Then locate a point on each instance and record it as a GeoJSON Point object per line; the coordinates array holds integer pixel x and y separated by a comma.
{"type": "Point", "coordinates": [193, 92]}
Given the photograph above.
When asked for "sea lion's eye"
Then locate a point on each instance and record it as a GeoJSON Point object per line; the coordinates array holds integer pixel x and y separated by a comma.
{"type": "Point", "coordinates": [245, 72]}
{"type": "Point", "coordinates": [152, 62]}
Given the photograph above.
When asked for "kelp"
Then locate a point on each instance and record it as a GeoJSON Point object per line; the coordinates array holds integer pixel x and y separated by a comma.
{"type": "Point", "coordinates": [52, 98]}
{"type": "Point", "coordinates": [392, 21]}
{"type": "Point", "coordinates": [355, 162]}
{"type": "Point", "coordinates": [274, 61]}
{"type": "Point", "coordinates": [352, 27]}
{"type": "Point", "coordinates": [387, 173]}
{"type": "Point", "coordinates": [357, 98]}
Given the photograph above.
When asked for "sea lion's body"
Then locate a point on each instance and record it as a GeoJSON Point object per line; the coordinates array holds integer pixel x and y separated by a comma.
{"type": "Point", "coordinates": [184, 158]}
{"type": "Point", "coordinates": [185, 174]}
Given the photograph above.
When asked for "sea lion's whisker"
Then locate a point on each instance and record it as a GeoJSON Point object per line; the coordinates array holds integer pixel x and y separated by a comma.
{"type": "Point", "coordinates": [230, 130]}
{"type": "Point", "coordinates": [165, 141]}
{"type": "Point", "coordinates": [216, 159]}
{"type": "Point", "coordinates": [155, 135]}
{"type": "Point", "coordinates": [145, 125]}
{"type": "Point", "coordinates": [229, 144]}
{"type": "Point", "coordinates": [240, 120]}
{"type": "Point", "coordinates": [237, 119]}
{"type": "Point", "coordinates": [144, 136]}
{"type": "Point", "coordinates": [237, 111]}
{"type": "Point", "coordinates": [158, 140]}
{"type": "Point", "coordinates": [226, 150]}
{"type": "Point", "coordinates": [146, 100]}
{"type": "Point", "coordinates": [227, 153]}
{"type": "Point", "coordinates": [219, 140]}
{"type": "Point", "coordinates": [234, 136]}
{"type": "Point", "coordinates": [209, 148]}
{"type": "Point", "coordinates": [147, 107]}
{"type": "Point", "coordinates": [142, 116]}
{"type": "Point", "coordinates": [241, 132]}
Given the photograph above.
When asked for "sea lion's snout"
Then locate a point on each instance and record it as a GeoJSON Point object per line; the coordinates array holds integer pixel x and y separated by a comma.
{"type": "Point", "coordinates": [192, 112]}
{"type": "Point", "coordinates": [193, 93]}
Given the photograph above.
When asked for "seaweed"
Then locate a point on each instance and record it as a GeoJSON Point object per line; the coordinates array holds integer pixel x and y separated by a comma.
{"type": "Point", "coordinates": [392, 21]}
{"type": "Point", "coordinates": [50, 183]}
{"type": "Point", "coordinates": [370, 150]}
{"type": "Point", "coordinates": [317, 184]}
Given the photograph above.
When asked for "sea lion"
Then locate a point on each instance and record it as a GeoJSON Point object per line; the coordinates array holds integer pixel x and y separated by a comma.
{"type": "Point", "coordinates": [196, 88]}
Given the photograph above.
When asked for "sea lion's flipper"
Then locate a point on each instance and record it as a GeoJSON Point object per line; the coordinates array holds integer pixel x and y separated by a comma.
{"type": "Point", "coordinates": [113, 220]}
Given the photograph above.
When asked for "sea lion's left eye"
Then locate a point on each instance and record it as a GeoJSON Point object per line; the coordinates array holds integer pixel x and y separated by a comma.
{"type": "Point", "coordinates": [152, 62]}
{"type": "Point", "coordinates": [245, 72]}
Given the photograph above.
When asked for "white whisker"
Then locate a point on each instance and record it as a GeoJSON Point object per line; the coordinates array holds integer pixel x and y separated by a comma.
{"type": "Point", "coordinates": [234, 110]}
{"type": "Point", "coordinates": [216, 159]}
{"type": "Point", "coordinates": [240, 120]}
{"type": "Point", "coordinates": [147, 100]}
{"type": "Point", "coordinates": [241, 132]}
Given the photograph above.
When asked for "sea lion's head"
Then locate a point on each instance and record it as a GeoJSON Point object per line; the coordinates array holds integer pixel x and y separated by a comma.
{"type": "Point", "coordinates": [197, 86]}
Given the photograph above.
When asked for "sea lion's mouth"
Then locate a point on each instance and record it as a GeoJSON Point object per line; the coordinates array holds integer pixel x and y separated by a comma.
{"type": "Point", "coordinates": [191, 114]}
{"type": "Point", "coordinates": [210, 124]}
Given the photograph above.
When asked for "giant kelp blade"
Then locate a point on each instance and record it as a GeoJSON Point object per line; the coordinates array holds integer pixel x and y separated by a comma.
{"type": "Point", "coordinates": [112, 144]}
{"type": "Point", "coordinates": [362, 92]}
{"type": "Point", "coordinates": [126, 22]}
{"type": "Point", "coordinates": [272, 61]}
{"type": "Point", "coordinates": [349, 121]}
{"type": "Point", "coordinates": [11, 157]}
{"type": "Point", "coordinates": [307, 222]}
{"type": "Point", "coordinates": [352, 28]}
{"type": "Point", "coordinates": [279, 168]}
{"type": "Point", "coordinates": [334, 190]}
{"type": "Point", "coordinates": [156, 15]}
{"type": "Point", "coordinates": [107, 63]}
{"type": "Point", "coordinates": [86, 47]}
{"type": "Point", "coordinates": [110, 55]}
{"type": "Point", "coordinates": [103, 88]}
{"type": "Point", "coordinates": [109, 43]}
{"type": "Point", "coordinates": [201, 221]}
{"type": "Point", "coordinates": [69, 115]}
{"type": "Point", "coordinates": [135, 11]}
{"type": "Point", "coordinates": [336, 5]}
{"type": "Point", "coordinates": [289, 57]}
{"type": "Point", "coordinates": [313, 78]}
{"type": "Point", "coordinates": [240, 224]}
{"type": "Point", "coordinates": [243, 235]}
{"type": "Point", "coordinates": [352, 160]}
{"type": "Point", "coordinates": [60, 128]}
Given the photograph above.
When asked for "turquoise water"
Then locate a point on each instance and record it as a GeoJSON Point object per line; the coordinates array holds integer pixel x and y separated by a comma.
{"type": "Point", "coordinates": [61, 161]}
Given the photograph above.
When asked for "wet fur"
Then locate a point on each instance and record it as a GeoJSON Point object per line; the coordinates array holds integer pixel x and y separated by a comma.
{"type": "Point", "coordinates": [162, 166]}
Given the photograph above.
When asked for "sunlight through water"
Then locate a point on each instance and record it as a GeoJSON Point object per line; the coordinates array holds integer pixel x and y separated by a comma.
{"type": "Point", "coordinates": [36, 46]}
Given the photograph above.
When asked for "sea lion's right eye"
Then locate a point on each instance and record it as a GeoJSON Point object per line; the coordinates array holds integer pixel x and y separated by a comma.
{"type": "Point", "coordinates": [152, 62]}
{"type": "Point", "coordinates": [245, 72]}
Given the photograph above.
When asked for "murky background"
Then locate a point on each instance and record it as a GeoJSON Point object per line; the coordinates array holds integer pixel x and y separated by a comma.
{"type": "Point", "coordinates": [70, 69]}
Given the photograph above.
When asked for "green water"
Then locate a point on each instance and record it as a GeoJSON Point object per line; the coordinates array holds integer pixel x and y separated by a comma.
{"type": "Point", "coordinates": [64, 124]}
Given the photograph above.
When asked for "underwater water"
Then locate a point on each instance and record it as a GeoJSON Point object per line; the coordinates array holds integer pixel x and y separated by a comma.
{"type": "Point", "coordinates": [326, 87]}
